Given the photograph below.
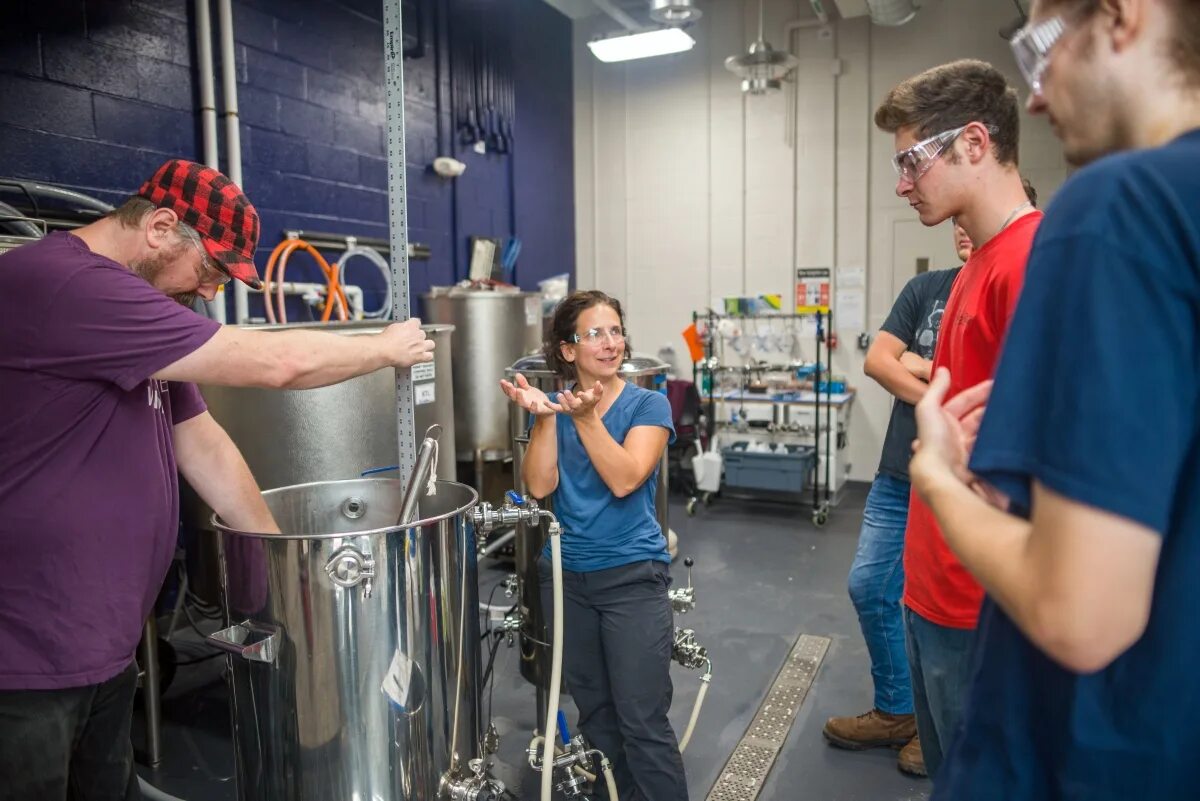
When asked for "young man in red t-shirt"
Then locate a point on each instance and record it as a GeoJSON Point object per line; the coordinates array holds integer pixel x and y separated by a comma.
{"type": "Point", "coordinates": [956, 128]}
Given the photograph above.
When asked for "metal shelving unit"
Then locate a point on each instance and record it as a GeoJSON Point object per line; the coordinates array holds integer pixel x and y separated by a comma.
{"type": "Point", "coordinates": [710, 368]}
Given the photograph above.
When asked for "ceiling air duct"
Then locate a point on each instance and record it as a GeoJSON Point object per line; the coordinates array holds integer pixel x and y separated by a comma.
{"type": "Point", "coordinates": [674, 12]}
{"type": "Point", "coordinates": [762, 68]}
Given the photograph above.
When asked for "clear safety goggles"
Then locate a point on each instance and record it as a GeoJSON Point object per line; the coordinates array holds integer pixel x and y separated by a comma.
{"type": "Point", "coordinates": [594, 336]}
{"type": "Point", "coordinates": [915, 161]}
{"type": "Point", "coordinates": [1032, 44]}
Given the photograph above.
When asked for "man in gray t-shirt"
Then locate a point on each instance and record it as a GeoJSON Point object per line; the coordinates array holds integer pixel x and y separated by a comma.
{"type": "Point", "coordinates": [899, 359]}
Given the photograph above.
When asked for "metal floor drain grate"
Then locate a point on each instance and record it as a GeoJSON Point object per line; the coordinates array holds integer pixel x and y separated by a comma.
{"type": "Point", "coordinates": [745, 773]}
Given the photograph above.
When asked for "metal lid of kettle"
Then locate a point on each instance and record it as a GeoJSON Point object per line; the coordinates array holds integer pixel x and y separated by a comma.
{"type": "Point", "coordinates": [633, 366]}
{"type": "Point", "coordinates": [344, 327]}
{"type": "Point", "coordinates": [477, 290]}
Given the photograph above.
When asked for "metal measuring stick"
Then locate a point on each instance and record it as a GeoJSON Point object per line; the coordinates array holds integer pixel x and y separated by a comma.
{"type": "Point", "coordinates": [393, 56]}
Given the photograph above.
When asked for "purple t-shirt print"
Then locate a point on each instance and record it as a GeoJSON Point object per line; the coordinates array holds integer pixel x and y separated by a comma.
{"type": "Point", "coordinates": [89, 497]}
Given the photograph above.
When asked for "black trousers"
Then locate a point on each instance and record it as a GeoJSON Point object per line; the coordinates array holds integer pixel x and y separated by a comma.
{"type": "Point", "coordinates": [69, 745]}
{"type": "Point", "coordinates": [617, 633]}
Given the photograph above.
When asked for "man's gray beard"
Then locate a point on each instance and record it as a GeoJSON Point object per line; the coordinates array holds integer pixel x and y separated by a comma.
{"type": "Point", "coordinates": [150, 268]}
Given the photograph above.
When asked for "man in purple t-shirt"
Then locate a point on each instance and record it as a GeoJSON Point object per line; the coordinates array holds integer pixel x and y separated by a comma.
{"type": "Point", "coordinates": [98, 355]}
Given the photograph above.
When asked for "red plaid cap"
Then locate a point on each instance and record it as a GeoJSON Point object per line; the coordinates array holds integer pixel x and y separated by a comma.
{"type": "Point", "coordinates": [213, 205]}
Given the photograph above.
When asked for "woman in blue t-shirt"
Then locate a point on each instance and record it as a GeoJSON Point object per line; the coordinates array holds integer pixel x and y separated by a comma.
{"type": "Point", "coordinates": [596, 448]}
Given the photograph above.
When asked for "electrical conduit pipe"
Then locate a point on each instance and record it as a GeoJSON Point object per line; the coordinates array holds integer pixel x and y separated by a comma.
{"type": "Point", "coordinates": [208, 116]}
{"type": "Point", "coordinates": [233, 134]}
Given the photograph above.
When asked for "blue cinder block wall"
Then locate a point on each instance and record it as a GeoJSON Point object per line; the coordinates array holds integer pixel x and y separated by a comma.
{"type": "Point", "coordinates": [94, 94]}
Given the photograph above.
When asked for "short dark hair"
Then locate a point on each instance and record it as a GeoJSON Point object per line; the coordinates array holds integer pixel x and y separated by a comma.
{"type": "Point", "coordinates": [1030, 191]}
{"type": "Point", "coordinates": [1184, 47]}
{"type": "Point", "coordinates": [952, 95]}
{"type": "Point", "coordinates": [562, 326]}
{"type": "Point", "coordinates": [131, 213]}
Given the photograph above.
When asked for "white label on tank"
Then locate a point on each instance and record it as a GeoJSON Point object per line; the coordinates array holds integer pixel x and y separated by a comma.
{"type": "Point", "coordinates": [396, 681]}
{"type": "Point", "coordinates": [423, 372]}
{"type": "Point", "coordinates": [533, 310]}
{"type": "Point", "coordinates": [424, 393]}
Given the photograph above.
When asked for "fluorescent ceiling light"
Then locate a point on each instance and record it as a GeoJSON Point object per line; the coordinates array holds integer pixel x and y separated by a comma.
{"type": "Point", "coordinates": [642, 45]}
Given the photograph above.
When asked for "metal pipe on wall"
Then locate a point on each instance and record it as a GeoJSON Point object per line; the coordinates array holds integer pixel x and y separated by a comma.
{"type": "Point", "coordinates": [233, 136]}
{"type": "Point", "coordinates": [208, 102]}
{"type": "Point", "coordinates": [208, 115]}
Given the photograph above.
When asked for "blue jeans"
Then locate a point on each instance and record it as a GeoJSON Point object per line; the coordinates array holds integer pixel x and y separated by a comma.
{"type": "Point", "coordinates": [876, 584]}
{"type": "Point", "coordinates": [941, 676]}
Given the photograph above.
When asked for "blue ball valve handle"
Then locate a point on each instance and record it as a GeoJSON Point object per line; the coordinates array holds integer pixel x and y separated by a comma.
{"type": "Point", "coordinates": [563, 731]}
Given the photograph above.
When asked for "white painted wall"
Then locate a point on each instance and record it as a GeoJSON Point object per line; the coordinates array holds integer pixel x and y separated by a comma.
{"type": "Point", "coordinates": [688, 191]}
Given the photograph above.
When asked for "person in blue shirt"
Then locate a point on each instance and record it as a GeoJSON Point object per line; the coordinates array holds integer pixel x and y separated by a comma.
{"type": "Point", "coordinates": [596, 448]}
{"type": "Point", "coordinates": [1085, 683]}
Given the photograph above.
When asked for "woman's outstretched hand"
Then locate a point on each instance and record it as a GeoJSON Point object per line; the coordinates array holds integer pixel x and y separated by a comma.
{"type": "Point", "coordinates": [581, 404]}
{"type": "Point", "coordinates": [531, 399]}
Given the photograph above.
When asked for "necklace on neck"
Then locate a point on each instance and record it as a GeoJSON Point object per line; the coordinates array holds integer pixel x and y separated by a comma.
{"type": "Point", "coordinates": [1027, 204]}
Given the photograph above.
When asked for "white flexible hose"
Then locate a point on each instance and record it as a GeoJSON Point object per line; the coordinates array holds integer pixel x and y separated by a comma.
{"type": "Point", "coordinates": [611, 783]}
{"type": "Point", "coordinates": [687, 735]}
{"type": "Point", "coordinates": [462, 615]}
{"type": "Point", "coordinates": [555, 668]}
{"type": "Point", "coordinates": [153, 793]}
{"type": "Point", "coordinates": [372, 255]}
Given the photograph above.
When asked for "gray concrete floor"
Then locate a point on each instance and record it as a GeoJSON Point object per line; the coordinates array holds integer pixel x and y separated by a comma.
{"type": "Point", "coordinates": [764, 575]}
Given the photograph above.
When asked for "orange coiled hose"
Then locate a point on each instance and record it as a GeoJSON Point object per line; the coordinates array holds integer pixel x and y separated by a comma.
{"type": "Point", "coordinates": [333, 287]}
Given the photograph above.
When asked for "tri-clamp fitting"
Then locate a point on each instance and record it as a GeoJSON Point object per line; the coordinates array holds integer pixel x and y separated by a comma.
{"type": "Point", "coordinates": [575, 755]}
{"type": "Point", "coordinates": [687, 651]}
{"type": "Point", "coordinates": [516, 509]}
{"type": "Point", "coordinates": [511, 626]}
{"type": "Point", "coordinates": [477, 786]}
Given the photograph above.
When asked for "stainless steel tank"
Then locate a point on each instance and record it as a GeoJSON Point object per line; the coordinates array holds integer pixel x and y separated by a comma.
{"type": "Point", "coordinates": [354, 642]}
{"type": "Point", "coordinates": [492, 329]}
{"type": "Point", "coordinates": [643, 371]}
{"type": "Point", "coordinates": [293, 437]}
{"type": "Point", "coordinates": [297, 436]}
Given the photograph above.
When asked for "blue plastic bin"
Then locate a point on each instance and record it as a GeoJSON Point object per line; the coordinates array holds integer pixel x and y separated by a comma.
{"type": "Point", "coordinates": [785, 470]}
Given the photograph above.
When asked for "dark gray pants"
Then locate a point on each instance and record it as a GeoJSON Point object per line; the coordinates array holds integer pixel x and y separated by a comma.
{"type": "Point", "coordinates": [69, 745]}
{"type": "Point", "coordinates": [617, 633]}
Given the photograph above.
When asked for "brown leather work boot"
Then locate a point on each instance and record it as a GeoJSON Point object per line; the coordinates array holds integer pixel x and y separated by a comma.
{"type": "Point", "coordinates": [872, 729]}
{"type": "Point", "coordinates": [911, 760]}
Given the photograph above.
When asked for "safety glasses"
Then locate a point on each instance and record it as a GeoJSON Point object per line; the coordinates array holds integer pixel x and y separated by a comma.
{"type": "Point", "coordinates": [914, 162]}
{"type": "Point", "coordinates": [594, 336]}
{"type": "Point", "coordinates": [1032, 44]}
{"type": "Point", "coordinates": [211, 271]}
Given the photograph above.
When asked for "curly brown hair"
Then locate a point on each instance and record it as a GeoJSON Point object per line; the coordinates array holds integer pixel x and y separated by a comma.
{"type": "Point", "coordinates": [562, 327]}
{"type": "Point", "coordinates": [952, 95]}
